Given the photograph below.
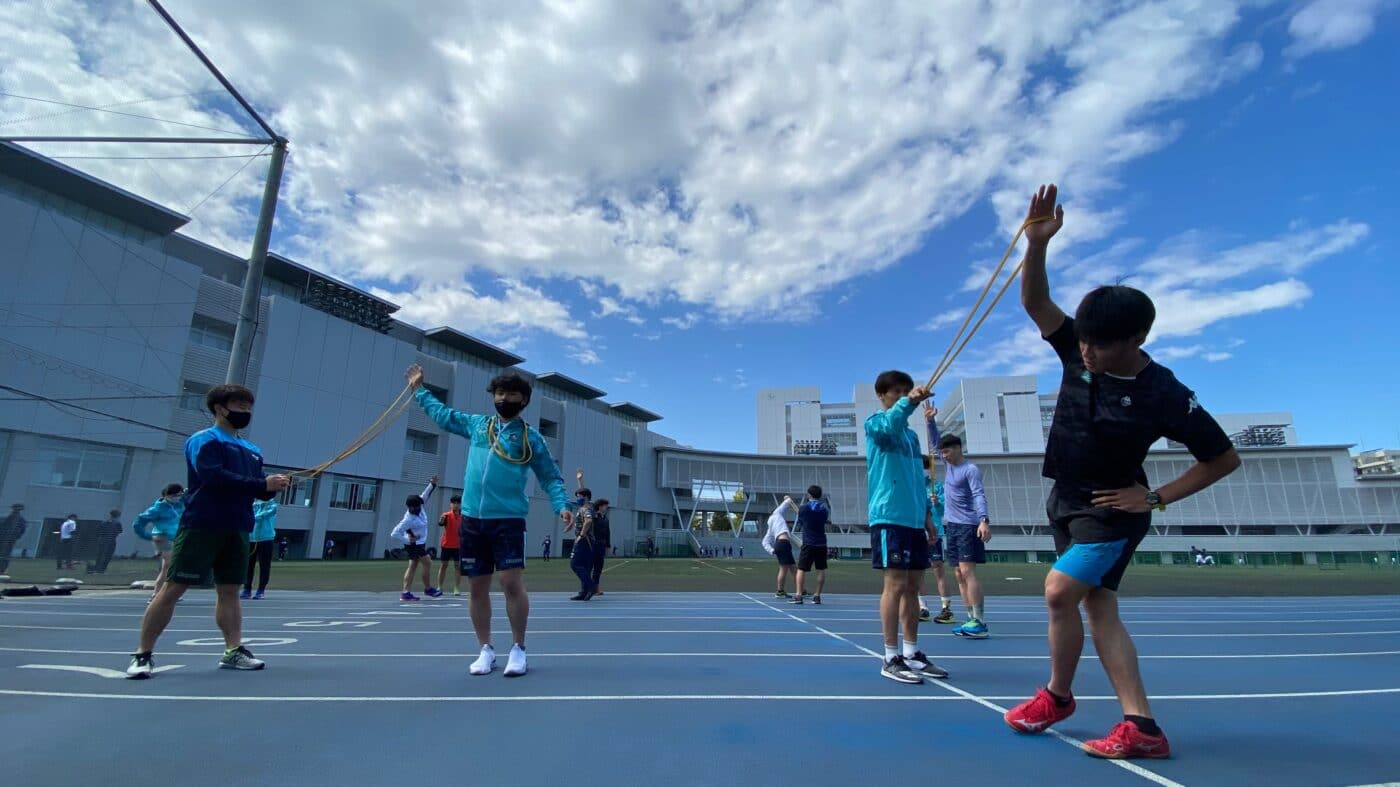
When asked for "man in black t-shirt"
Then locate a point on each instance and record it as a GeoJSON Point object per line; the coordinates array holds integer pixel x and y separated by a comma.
{"type": "Point", "coordinates": [1114, 403]}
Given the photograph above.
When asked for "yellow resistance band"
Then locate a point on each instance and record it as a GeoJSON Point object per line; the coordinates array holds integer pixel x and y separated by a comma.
{"type": "Point", "coordinates": [955, 348]}
{"type": "Point", "coordinates": [380, 425]}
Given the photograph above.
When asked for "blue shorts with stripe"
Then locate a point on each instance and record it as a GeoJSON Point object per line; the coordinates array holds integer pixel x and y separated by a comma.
{"type": "Point", "coordinates": [1095, 545]}
{"type": "Point", "coordinates": [899, 547]}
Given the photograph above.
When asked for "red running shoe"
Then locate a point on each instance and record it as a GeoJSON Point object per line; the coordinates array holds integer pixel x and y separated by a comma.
{"type": "Point", "coordinates": [1038, 713]}
{"type": "Point", "coordinates": [1126, 741]}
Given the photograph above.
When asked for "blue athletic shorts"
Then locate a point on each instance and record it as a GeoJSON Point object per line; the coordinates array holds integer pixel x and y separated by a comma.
{"type": "Point", "coordinates": [899, 547]}
{"type": "Point", "coordinates": [491, 545]}
{"type": "Point", "coordinates": [1095, 545]}
{"type": "Point", "coordinates": [963, 544]}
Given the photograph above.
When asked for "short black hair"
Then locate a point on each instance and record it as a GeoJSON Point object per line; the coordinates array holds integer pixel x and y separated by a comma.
{"type": "Point", "coordinates": [413, 500]}
{"type": "Point", "coordinates": [72, 516]}
{"type": "Point", "coordinates": [949, 440]}
{"type": "Point", "coordinates": [1113, 313]}
{"type": "Point", "coordinates": [455, 499]}
{"type": "Point", "coordinates": [511, 381]}
{"type": "Point", "coordinates": [814, 492]}
{"type": "Point", "coordinates": [171, 489]}
{"type": "Point", "coordinates": [602, 501]}
{"type": "Point", "coordinates": [226, 395]}
{"type": "Point", "coordinates": [114, 513]}
{"type": "Point", "coordinates": [584, 492]}
{"type": "Point", "coordinates": [892, 379]}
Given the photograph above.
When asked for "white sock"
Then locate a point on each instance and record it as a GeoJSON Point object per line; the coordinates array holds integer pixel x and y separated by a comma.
{"type": "Point", "coordinates": [922, 605]}
{"type": "Point", "coordinates": [910, 648]}
{"type": "Point", "coordinates": [977, 612]}
{"type": "Point", "coordinates": [890, 653]}
{"type": "Point", "coordinates": [947, 602]}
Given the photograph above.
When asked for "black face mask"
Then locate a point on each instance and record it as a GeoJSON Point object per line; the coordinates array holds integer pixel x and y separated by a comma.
{"type": "Point", "coordinates": [238, 420]}
{"type": "Point", "coordinates": [509, 410]}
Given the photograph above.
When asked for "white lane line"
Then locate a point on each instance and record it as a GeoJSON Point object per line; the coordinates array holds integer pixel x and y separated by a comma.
{"type": "Point", "coordinates": [101, 672]}
{"type": "Point", "coordinates": [464, 630]}
{"type": "Point", "coordinates": [690, 698]}
{"type": "Point", "coordinates": [983, 701]}
{"type": "Point", "coordinates": [717, 568]}
{"type": "Point", "coordinates": [616, 565]}
{"type": "Point", "coordinates": [625, 654]}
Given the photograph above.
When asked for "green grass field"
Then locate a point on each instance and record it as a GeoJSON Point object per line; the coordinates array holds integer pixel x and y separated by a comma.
{"type": "Point", "coordinates": [848, 576]}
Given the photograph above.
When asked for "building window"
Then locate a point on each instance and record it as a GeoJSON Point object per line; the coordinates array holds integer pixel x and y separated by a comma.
{"type": "Point", "coordinates": [421, 442]}
{"type": "Point", "coordinates": [842, 421]}
{"type": "Point", "coordinates": [299, 494]}
{"type": "Point", "coordinates": [80, 465]}
{"type": "Point", "coordinates": [549, 428]}
{"type": "Point", "coordinates": [193, 395]}
{"type": "Point", "coordinates": [643, 520]}
{"type": "Point", "coordinates": [625, 450]}
{"type": "Point", "coordinates": [353, 494]}
{"type": "Point", "coordinates": [211, 333]}
{"type": "Point", "coordinates": [624, 482]}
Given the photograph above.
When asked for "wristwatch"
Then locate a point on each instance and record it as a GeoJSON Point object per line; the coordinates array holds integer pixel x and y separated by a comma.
{"type": "Point", "coordinates": [1154, 500]}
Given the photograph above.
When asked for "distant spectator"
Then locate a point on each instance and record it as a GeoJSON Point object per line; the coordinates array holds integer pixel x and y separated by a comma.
{"type": "Point", "coordinates": [66, 538]}
{"type": "Point", "coordinates": [11, 530]}
{"type": "Point", "coordinates": [107, 534]}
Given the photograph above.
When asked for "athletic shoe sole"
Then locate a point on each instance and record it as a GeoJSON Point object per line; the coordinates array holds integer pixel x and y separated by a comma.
{"type": "Point", "coordinates": [912, 681]}
{"type": "Point", "coordinates": [965, 635]}
{"type": "Point", "coordinates": [226, 665]}
{"type": "Point", "coordinates": [138, 675]}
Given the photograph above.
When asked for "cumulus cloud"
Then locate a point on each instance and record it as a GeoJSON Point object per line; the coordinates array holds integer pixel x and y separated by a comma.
{"type": "Point", "coordinates": [724, 156]}
{"type": "Point", "coordinates": [1331, 24]}
{"type": "Point", "coordinates": [518, 308]}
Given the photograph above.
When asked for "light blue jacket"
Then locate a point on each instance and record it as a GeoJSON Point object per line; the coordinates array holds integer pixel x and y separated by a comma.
{"type": "Point", "coordinates": [264, 520]}
{"type": "Point", "coordinates": [897, 492]}
{"type": "Point", "coordinates": [161, 519]}
{"type": "Point", "coordinates": [492, 487]}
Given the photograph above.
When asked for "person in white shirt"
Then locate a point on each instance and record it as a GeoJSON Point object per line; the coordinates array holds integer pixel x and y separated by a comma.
{"type": "Point", "coordinates": [412, 530]}
{"type": "Point", "coordinates": [778, 542]}
{"type": "Point", "coordinates": [66, 539]}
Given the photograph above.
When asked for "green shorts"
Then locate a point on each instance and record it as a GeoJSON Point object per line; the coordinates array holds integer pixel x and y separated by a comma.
{"type": "Point", "coordinates": [198, 551]}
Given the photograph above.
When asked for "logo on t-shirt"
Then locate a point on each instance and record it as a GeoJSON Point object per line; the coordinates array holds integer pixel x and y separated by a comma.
{"type": "Point", "coordinates": [1192, 405]}
{"type": "Point", "coordinates": [1126, 401]}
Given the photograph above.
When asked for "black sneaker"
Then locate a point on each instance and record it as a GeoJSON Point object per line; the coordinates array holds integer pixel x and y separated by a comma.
{"type": "Point", "coordinates": [896, 669]}
{"type": "Point", "coordinates": [796, 600]}
{"type": "Point", "coordinates": [580, 596]}
{"type": "Point", "coordinates": [944, 616]}
{"type": "Point", "coordinates": [924, 666]}
{"type": "Point", "coordinates": [816, 599]}
{"type": "Point", "coordinates": [924, 614]}
{"type": "Point", "coordinates": [142, 666]}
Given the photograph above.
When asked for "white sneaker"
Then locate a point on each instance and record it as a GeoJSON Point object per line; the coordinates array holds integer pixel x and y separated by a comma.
{"type": "Point", "coordinates": [515, 666]}
{"type": "Point", "coordinates": [485, 662]}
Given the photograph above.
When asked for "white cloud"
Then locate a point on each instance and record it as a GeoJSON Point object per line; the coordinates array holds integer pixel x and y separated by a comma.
{"type": "Point", "coordinates": [1217, 357]}
{"type": "Point", "coordinates": [626, 378]}
{"type": "Point", "coordinates": [725, 158]}
{"type": "Point", "coordinates": [942, 320]}
{"type": "Point", "coordinates": [1176, 353]}
{"type": "Point", "coordinates": [519, 308]}
{"type": "Point", "coordinates": [684, 322]}
{"type": "Point", "coordinates": [609, 306]}
{"type": "Point", "coordinates": [585, 356]}
{"type": "Point", "coordinates": [1331, 24]}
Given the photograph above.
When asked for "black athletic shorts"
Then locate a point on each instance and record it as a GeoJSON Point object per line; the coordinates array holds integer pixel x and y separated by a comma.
{"type": "Point", "coordinates": [415, 551]}
{"type": "Point", "coordinates": [1095, 545]}
{"type": "Point", "coordinates": [899, 547]}
{"type": "Point", "coordinates": [449, 553]}
{"type": "Point", "coordinates": [812, 556]}
{"type": "Point", "coordinates": [783, 552]}
{"type": "Point", "coordinates": [491, 545]}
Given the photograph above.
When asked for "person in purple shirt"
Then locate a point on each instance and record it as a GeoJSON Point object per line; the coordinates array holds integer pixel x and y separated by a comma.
{"type": "Point", "coordinates": [966, 530]}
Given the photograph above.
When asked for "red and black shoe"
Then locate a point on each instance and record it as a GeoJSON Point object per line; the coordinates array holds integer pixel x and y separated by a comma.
{"type": "Point", "coordinates": [1125, 742]}
{"type": "Point", "coordinates": [1036, 714]}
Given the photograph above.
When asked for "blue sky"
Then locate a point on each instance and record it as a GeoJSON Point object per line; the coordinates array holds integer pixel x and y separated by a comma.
{"type": "Point", "coordinates": [686, 205]}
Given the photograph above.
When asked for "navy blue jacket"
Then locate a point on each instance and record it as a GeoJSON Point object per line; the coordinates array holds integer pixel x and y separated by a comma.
{"type": "Point", "coordinates": [225, 476]}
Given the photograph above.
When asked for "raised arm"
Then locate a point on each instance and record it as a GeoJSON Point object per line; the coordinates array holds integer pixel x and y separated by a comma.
{"type": "Point", "coordinates": [447, 419]}
{"type": "Point", "coordinates": [1035, 284]}
{"type": "Point", "coordinates": [892, 422]}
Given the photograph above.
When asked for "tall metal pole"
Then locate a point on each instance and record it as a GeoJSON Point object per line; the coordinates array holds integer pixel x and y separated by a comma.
{"type": "Point", "coordinates": [252, 282]}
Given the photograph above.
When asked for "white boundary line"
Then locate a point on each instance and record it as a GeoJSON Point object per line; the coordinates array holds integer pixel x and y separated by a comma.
{"type": "Point", "coordinates": [701, 654]}
{"type": "Point", "coordinates": [756, 632]}
{"type": "Point", "coordinates": [1075, 742]}
{"type": "Point", "coordinates": [956, 697]}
